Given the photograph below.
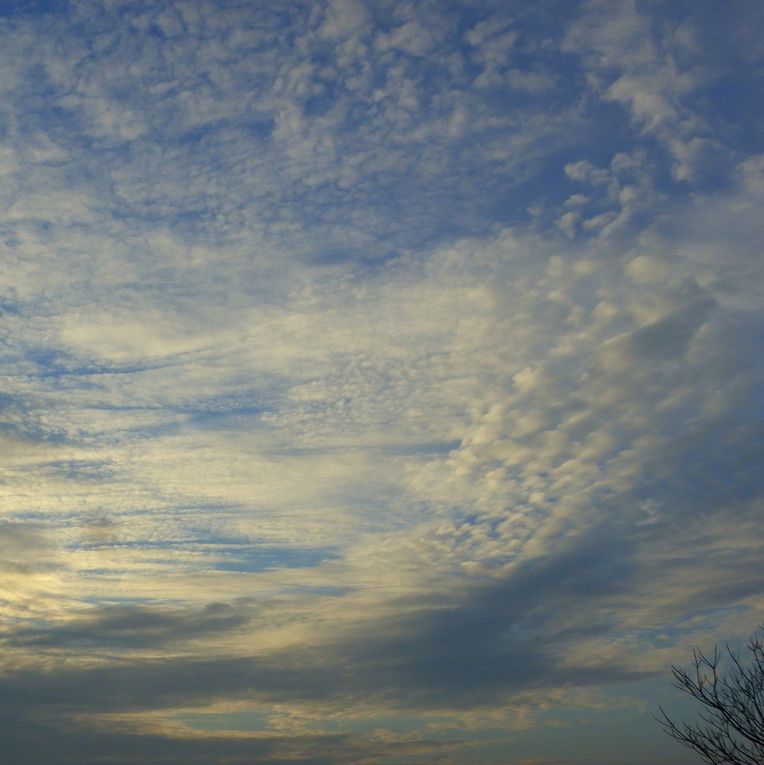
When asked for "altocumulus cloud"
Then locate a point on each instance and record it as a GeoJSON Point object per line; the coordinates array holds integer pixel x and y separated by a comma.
{"type": "Point", "coordinates": [381, 381]}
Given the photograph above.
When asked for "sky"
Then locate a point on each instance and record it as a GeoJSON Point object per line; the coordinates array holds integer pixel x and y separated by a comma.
{"type": "Point", "coordinates": [381, 381]}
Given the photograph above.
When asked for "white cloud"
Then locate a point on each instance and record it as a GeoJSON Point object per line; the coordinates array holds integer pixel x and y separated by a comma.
{"type": "Point", "coordinates": [343, 17]}
{"type": "Point", "coordinates": [658, 76]}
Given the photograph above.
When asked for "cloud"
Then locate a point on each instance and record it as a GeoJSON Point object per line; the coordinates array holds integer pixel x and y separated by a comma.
{"type": "Point", "coordinates": [655, 64]}
{"type": "Point", "coordinates": [343, 17]}
{"type": "Point", "coordinates": [374, 375]}
{"type": "Point", "coordinates": [129, 626]}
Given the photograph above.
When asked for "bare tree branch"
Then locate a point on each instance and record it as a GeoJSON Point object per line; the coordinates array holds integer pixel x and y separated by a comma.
{"type": "Point", "coordinates": [730, 727]}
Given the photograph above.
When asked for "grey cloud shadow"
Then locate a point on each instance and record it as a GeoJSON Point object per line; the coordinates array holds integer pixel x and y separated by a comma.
{"type": "Point", "coordinates": [505, 637]}
{"type": "Point", "coordinates": [67, 741]}
{"type": "Point", "coordinates": [41, 743]}
{"type": "Point", "coordinates": [136, 626]}
{"type": "Point", "coordinates": [21, 541]}
{"type": "Point", "coordinates": [477, 647]}
{"type": "Point", "coordinates": [668, 338]}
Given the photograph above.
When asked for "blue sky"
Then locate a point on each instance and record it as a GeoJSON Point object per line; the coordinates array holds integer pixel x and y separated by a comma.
{"type": "Point", "coordinates": [381, 381]}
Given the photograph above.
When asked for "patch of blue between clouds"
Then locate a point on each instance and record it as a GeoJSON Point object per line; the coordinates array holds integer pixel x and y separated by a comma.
{"type": "Point", "coordinates": [79, 470]}
{"type": "Point", "coordinates": [15, 8]}
{"type": "Point", "coordinates": [227, 554]}
{"type": "Point", "coordinates": [255, 559]}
